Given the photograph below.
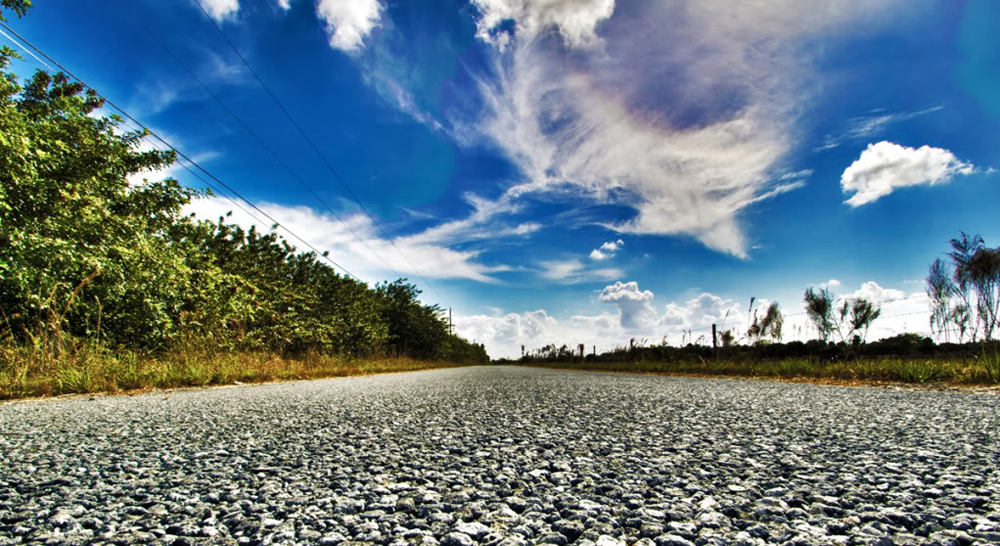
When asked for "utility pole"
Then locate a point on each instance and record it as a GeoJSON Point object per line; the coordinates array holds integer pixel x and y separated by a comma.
{"type": "Point", "coordinates": [451, 327]}
{"type": "Point", "coordinates": [715, 343]}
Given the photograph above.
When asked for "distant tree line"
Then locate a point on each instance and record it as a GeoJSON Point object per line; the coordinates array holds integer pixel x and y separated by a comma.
{"type": "Point", "coordinates": [964, 295]}
{"type": "Point", "coordinates": [86, 255]}
{"type": "Point", "coordinates": [898, 346]}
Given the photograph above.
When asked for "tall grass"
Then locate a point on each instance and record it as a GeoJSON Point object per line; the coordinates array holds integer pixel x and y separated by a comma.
{"type": "Point", "coordinates": [977, 371]}
{"type": "Point", "coordinates": [33, 369]}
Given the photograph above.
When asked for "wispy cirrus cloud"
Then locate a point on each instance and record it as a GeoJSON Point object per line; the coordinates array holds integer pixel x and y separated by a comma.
{"type": "Point", "coordinates": [156, 92]}
{"type": "Point", "coordinates": [866, 127]}
{"type": "Point", "coordinates": [367, 255]}
{"type": "Point", "coordinates": [574, 271]}
{"type": "Point", "coordinates": [661, 107]}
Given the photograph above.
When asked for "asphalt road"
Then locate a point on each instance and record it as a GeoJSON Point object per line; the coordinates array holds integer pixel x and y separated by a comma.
{"type": "Point", "coordinates": [493, 455]}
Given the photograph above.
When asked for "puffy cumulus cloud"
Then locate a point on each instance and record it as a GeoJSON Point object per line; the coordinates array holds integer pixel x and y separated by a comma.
{"type": "Point", "coordinates": [874, 293]}
{"type": "Point", "coordinates": [885, 166]}
{"type": "Point", "coordinates": [434, 255]}
{"type": "Point", "coordinates": [635, 306]}
{"type": "Point", "coordinates": [220, 10]}
{"type": "Point", "coordinates": [504, 334]}
{"type": "Point", "coordinates": [510, 329]}
{"type": "Point", "coordinates": [702, 312]}
{"type": "Point", "coordinates": [674, 115]}
{"type": "Point", "coordinates": [348, 22]}
{"type": "Point", "coordinates": [575, 20]}
{"type": "Point", "coordinates": [613, 246]}
{"type": "Point", "coordinates": [607, 250]}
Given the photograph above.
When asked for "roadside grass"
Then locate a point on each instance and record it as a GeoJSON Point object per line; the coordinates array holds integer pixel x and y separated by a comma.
{"type": "Point", "coordinates": [979, 371]}
{"type": "Point", "coordinates": [86, 367]}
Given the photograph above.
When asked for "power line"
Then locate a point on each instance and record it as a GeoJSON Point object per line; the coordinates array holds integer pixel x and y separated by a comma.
{"type": "Point", "coordinates": [180, 153]}
{"type": "Point", "coordinates": [254, 136]}
{"type": "Point", "coordinates": [314, 148]}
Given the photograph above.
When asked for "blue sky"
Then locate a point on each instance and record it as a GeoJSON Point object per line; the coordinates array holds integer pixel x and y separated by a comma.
{"type": "Point", "coordinates": [583, 171]}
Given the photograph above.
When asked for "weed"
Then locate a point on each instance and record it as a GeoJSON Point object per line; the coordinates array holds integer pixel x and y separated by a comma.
{"type": "Point", "coordinates": [910, 371]}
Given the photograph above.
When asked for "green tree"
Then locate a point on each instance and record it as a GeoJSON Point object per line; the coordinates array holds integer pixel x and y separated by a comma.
{"type": "Point", "coordinates": [414, 329]}
{"type": "Point", "coordinates": [75, 228]}
{"type": "Point", "coordinates": [769, 325]}
{"type": "Point", "coordinates": [863, 314]}
{"type": "Point", "coordinates": [19, 7]}
{"type": "Point", "coordinates": [968, 296]}
{"type": "Point", "coordinates": [819, 309]}
{"type": "Point", "coordinates": [939, 292]}
{"type": "Point", "coordinates": [89, 255]}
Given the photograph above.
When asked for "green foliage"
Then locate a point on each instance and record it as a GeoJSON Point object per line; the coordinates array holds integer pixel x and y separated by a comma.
{"type": "Point", "coordinates": [417, 330]}
{"type": "Point", "coordinates": [19, 7]}
{"type": "Point", "coordinates": [969, 296]}
{"type": "Point", "coordinates": [769, 325]}
{"type": "Point", "coordinates": [89, 256]}
{"type": "Point", "coordinates": [939, 291]}
{"type": "Point", "coordinates": [819, 309]}
{"type": "Point", "coordinates": [863, 314]}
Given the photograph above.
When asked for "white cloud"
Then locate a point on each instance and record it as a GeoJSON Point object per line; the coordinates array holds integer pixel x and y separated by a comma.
{"type": "Point", "coordinates": [830, 284]}
{"type": "Point", "coordinates": [874, 293]}
{"type": "Point", "coordinates": [348, 22]}
{"type": "Point", "coordinates": [635, 306]}
{"type": "Point", "coordinates": [503, 335]}
{"type": "Point", "coordinates": [575, 20]}
{"type": "Point", "coordinates": [701, 312]}
{"type": "Point", "coordinates": [674, 115]}
{"type": "Point", "coordinates": [607, 250]}
{"type": "Point", "coordinates": [574, 271]}
{"type": "Point", "coordinates": [220, 10]}
{"type": "Point", "coordinates": [613, 246]}
{"type": "Point", "coordinates": [480, 224]}
{"type": "Point", "coordinates": [885, 166]}
{"type": "Point", "coordinates": [433, 256]}
{"type": "Point", "coordinates": [285, 4]}
{"type": "Point", "coordinates": [864, 127]}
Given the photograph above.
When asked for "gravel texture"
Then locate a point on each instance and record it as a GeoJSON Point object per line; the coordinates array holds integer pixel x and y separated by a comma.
{"type": "Point", "coordinates": [504, 456]}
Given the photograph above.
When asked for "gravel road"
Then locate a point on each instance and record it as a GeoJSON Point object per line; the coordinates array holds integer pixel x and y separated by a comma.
{"type": "Point", "coordinates": [494, 455]}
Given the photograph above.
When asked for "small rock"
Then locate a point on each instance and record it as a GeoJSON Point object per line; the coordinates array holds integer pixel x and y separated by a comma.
{"type": "Point", "coordinates": [671, 539]}
{"type": "Point", "coordinates": [457, 539]}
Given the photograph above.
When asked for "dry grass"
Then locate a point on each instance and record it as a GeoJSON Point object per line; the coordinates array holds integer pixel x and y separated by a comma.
{"type": "Point", "coordinates": [85, 367]}
{"type": "Point", "coordinates": [979, 371]}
